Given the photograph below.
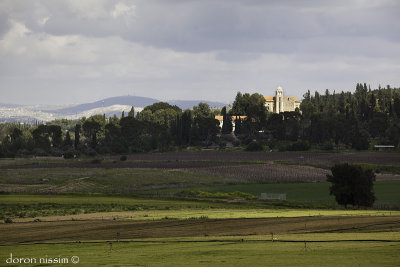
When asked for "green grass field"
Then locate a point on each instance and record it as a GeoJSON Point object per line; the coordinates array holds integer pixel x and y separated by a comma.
{"type": "Point", "coordinates": [145, 182]}
{"type": "Point", "coordinates": [78, 200]}
{"type": "Point", "coordinates": [255, 213]}
{"type": "Point", "coordinates": [32, 206]}
{"type": "Point", "coordinates": [112, 179]}
{"type": "Point", "coordinates": [23, 206]}
{"type": "Point", "coordinates": [385, 191]}
{"type": "Point", "coordinates": [227, 251]}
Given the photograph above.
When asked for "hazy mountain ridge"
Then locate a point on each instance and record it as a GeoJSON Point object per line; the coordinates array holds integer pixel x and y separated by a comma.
{"type": "Point", "coordinates": [109, 106]}
{"type": "Point", "coordinates": [135, 101]}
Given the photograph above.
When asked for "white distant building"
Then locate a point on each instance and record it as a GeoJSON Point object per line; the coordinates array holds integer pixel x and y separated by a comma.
{"type": "Point", "coordinates": [280, 103]}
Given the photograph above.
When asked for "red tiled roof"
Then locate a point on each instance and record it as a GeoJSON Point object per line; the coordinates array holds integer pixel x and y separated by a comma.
{"type": "Point", "coordinates": [269, 98]}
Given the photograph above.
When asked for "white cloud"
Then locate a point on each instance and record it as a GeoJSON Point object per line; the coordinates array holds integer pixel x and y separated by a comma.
{"type": "Point", "coordinates": [42, 21]}
{"type": "Point", "coordinates": [23, 42]}
{"type": "Point", "coordinates": [89, 9]}
{"type": "Point", "coordinates": [122, 9]}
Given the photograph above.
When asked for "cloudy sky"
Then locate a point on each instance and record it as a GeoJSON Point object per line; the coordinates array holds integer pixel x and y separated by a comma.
{"type": "Point", "coordinates": [75, 51]}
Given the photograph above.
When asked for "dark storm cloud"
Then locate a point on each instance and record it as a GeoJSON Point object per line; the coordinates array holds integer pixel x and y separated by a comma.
{"type": "Point", "coordinates": [206, 49]}
{"type": "Point", "coordinates": [201, 26]}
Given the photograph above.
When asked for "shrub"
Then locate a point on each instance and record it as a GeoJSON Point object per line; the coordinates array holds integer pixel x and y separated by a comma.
{"type": "Point", "coordinates": [227, 138]}
{"type": "Point", "coordinates": [56, 152]}
{"type": "Point", "coordinates": [69, 154]}
{"type": "Point", "coordinates": [39, 152]}
{"type": "Point", "coordinates": [222, 145]}
{"type": "Point", "coordinates": [360, 143]}
{"type": "Point", "coordinates": [8, 220]}
{"type": "Point", "coordinates": [90, 152]}
{"type": "Point", "coordinates": [123, 158]}
{"type": "Point", "coordinates": [23, 152]}
{"type": "Point", "coordinates": [254, 146]}
{"type": "Point", "coordinates": [299, 146]}
{"type": "Point", "coordinates": [327, 146]}
{"type": "Point", "coordinates": [95, 161]}
{"type": "Point", "coordinates": [282, 148]}
{"type": "Point", "coordinates": [236, 143]}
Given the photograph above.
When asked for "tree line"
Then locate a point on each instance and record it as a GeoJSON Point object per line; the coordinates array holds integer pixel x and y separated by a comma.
{"type": "Point", "coordinates": [327, 121]}
{"type": "Point", "coordinates": [342, 120]}
{"type": "Point", "coordinates": [158, 127]}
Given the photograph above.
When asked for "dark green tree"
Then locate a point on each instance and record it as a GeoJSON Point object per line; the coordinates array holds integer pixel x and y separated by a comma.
{"type": "Point", "coordinates": [276, 126]}
{"type": "Point", "coordinates": [113, 141]}
{"type": "Point", "coordinates": [352, 185]}
{"type": "Point", "coordinates": [396, 105]}
{"type": "Point", "coordinates": [77, 135]}
{"type": "Point", "coordinates": [41, 138]}
{"type": "Point", "coordinates": [378, 124]}
{"type": "Point", "coordinates": [55, 134]}
{"type": "Point", "coordinates": [238, 125]}
{"type": "Point", "coordinates": [186, 126]}
{"type": "Point", "coordinates": [226, 122]}
{"type": "Point", "coordinates": [161, 105]}
{"type": "Point", "coordinates": [202, 110]}
{"type": "Point", "coordinates": [131, 112]}
{"type": "Point", "coordinates": [67, 140]}
{"type": "Point", "coordinates": [91, 127]}
{"type": "Point", "coordinates": [253, 107]}
{"type": "Point", "coordinates": [132, 133]}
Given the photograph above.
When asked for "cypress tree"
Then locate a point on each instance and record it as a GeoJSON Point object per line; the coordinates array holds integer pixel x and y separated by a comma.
{"type": "Point", "coordinates": [238, 125]}
{"type": "Point", "coordinates": [226, 122]}
{"type": "Point", "coordinates": [186, 126]}
{"type": "Point", "coordinates": [67, 141]}
{"type": "Point", "coordinates": [77, 135]}
{"type": "Point", "coordinates": [131, 113]}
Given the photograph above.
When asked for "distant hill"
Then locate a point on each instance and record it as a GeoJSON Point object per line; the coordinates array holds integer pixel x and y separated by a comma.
{"type": "Point", "coordinates": [109, 106]}
{"type": "Point", "coordinates": [189, 104]}
{"type": "Point", "coordinates": [5, 105]}
{"type": "Point", "coordinates": [135, 101]}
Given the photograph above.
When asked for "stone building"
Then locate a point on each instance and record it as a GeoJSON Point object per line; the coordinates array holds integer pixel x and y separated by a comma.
{"type": "Point", "coordinates": [280, 103]}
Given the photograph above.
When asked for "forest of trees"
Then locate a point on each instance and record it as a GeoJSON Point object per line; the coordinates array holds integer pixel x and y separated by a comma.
{"type": "Point", "coordinates": [330, 121]}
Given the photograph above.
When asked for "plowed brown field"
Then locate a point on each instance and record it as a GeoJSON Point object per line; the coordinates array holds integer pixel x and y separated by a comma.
{"type": "Point", "coordinates": [112, 230]}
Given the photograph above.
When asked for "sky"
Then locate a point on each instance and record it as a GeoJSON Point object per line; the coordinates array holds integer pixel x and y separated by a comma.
{"type": "Point", "coordinates": [77, 51]}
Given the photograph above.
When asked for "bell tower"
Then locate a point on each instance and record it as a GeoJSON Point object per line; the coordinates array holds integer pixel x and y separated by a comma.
{"type": "Point", "coordinates": [279, 100]}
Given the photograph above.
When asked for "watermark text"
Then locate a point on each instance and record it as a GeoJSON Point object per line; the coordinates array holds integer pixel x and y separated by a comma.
{"type": "Point", "coordinates": [13, 259]}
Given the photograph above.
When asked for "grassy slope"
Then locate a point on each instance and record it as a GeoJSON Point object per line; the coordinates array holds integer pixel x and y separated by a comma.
{"type": "Point", "coordinates": [47, 205]}
{"type": "Point", "coordinates": [221, 253]}
{"type": "Point", "coordinates": [132, 180]}
{"type": "Point", "coordinates": [33, 206]}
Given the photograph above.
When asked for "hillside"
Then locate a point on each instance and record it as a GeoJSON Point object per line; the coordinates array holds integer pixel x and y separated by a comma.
{"type": "Point", "coordinates": [109, 106]}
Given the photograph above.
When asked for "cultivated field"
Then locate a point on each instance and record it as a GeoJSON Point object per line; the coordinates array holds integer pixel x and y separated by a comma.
{"type": "Point", "coordinates": [228, 251]}
{"type": "Point", "coordinates": [387, 158]}
{"type": "Point", "coordinates": [301, 241]}
{"type": "Point", "coordinates": [197, 209]}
